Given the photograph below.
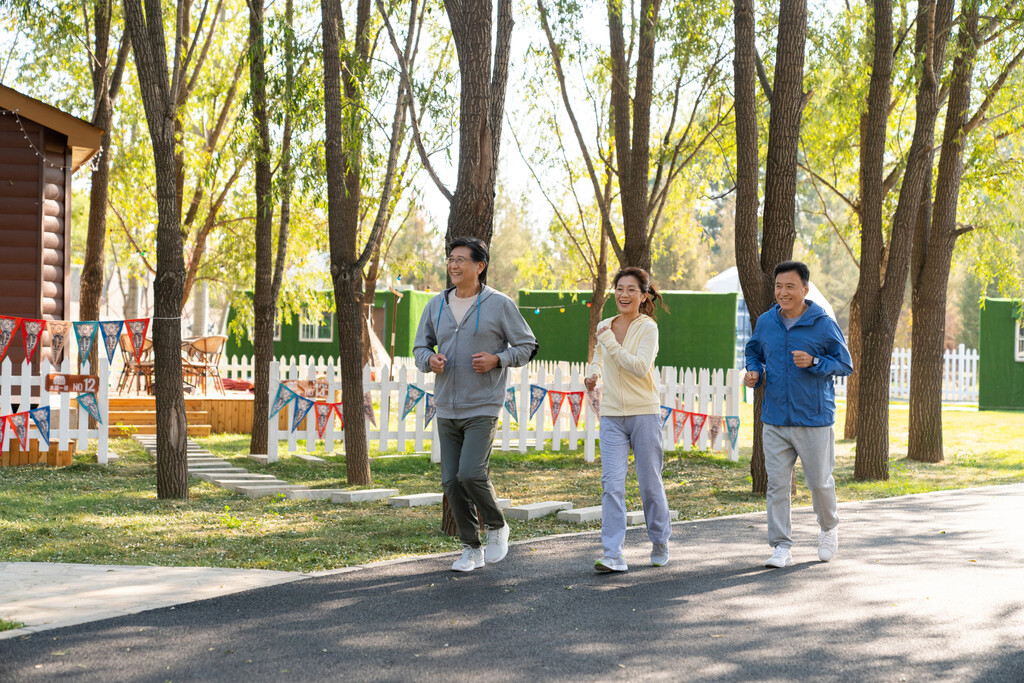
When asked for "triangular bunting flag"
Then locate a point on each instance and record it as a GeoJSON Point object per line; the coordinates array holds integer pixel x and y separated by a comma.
{"type": "Point", "coordinates": [575, 405]}
{"type": "Point", "coordinates": [732, 426]}
{"type": "Point", "coordinates": [679, 418]}
{"type": "Point", "coordinates": [665, 412]}
{"type": "Point", "coordinates": [413, 394]}
{"type": "Point", "coordinates": [8, 326]}
{"type": "Point", "coordinates": [302, 406]}
{"type": "Point", "coordinates": [556, 399]}
{"type": "Point", "coordinates": [3, 433]}
{"type": "Point", "coordinates": [85, 332]}
{"type": "Point", "coordinates": [88, 404]}
{"type": "Point", "coordinates": [337, 410]}
{"type": "Point", "coordinates": [137, 333]}
{"type": "Point", "coordinates": [31, 333]}
{"type": "Point", "coordinates": [697, 424]}
{"type": "Point", "coordinates": [537, 394]}
{"type": "Point", "coordinates": [431, 410]}
{"type": "Point", "coordinates": [714, 428]}
{"type": "Point", "coordinates": [19, 423]}
{"type": "Point", "coordinates": [111, 332]}
{"type": "Point", "coordinates": [58, 338]}
{"type": "Point", "coordinates": [324, 411]}
{"type": "Point", "coordinates": [594, 395]}
{"type": "Point", "coordinates": [284, 397]}
{"type": "Point", "coordinates": [510, 403]}
{"type": "Point", "coordinates": [41, 416]}
{"type": "Point", "coordinates": [368, 409]}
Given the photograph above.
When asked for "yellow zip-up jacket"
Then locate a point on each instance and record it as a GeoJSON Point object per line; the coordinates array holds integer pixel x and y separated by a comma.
{"type": "Point", "coordinates": [630, 381]}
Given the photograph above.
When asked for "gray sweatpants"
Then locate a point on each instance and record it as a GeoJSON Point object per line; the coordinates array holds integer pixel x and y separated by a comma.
{"type": "Point", "coordinates": [465, 463]}
{"type": "Point", "coordinates": [643, 434]}
{"type": "Point", "coordinates": [816, 448]}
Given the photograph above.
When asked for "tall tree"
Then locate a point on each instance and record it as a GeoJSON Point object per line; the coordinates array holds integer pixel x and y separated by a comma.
{"type": "Point", "coordinates": [269, 268]}
{"type": "Point", "coordinates": [106, 84]}
{"type": "Point", "coordinates": [345, 78]}
{"type": "Point", "coordinates": [937, 230]}
{"type": "Point", "coordinates": [885, 263]}
{"type": "Point", "coordinates": [787, 101]}
{"type": "Point", "coordinates": [160, 97]}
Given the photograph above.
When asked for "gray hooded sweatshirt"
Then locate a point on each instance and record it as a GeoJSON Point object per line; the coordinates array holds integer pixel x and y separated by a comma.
{"type": "Point", "coordinates": [492, 324]}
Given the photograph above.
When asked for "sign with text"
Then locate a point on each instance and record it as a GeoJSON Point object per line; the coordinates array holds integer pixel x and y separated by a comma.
{"type": "Point", "coordinates": [79, 384]}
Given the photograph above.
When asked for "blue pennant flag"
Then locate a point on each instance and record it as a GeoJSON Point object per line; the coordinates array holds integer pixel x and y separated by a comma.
{"type": "Point", "coordinates": [510, 403]}
{"type": "Point", "coordinates": [284, 397]}
{"type": "Point", "coordinates": [428, 414]}
{"type": "Point", "coordinates": [41, 416]}
{"type": "Point", "coordinates": [537, 394]}
{"type": "Point", "coordinates": [302, 406]}
{"type": "Point", "coordinates": [85, 332]}
{"type": "Point", "coordinates": [90, 405]}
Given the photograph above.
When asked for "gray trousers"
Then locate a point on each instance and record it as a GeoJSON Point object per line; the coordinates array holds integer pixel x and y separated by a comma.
{"type": "Point", "coordinates": [816, 448]}
{"type": "Point", "coordinates": [465, 464]}
{"type": "Point", "coordinates": [643, 434]}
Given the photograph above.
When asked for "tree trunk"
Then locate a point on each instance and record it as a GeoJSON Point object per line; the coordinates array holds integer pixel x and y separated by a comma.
{"type": "Point", "coordinates": [853, 381]}
{"type": "Point", "coordinates": [935, 242]}
{"type": "Point", "coordinates": [884, 269]}
{"type": "Point", "coordinates": [264, 304]}
{"type": "Point", "coordinates": [342, 156]}
{"type": "Point", "coordinates": [632, 127]}
{"type": "Point", "coordinates": [171, 428]}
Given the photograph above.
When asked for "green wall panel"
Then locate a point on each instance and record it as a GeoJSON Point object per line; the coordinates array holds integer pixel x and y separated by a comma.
{"type": "Point", "coordinates": [1000, 377]}
{"type": "Point", "coordinates": [698, 330]}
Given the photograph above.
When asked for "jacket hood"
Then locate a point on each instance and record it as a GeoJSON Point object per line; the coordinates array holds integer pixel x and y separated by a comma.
{"type": "Point", "coordinates": [813, 312]}
{"type": "Point", "coordinates": [483, 295]}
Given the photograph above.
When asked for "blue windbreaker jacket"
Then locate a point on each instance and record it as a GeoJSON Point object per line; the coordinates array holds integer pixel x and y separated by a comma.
{"type": "Point", "coordinates": [798, 397]}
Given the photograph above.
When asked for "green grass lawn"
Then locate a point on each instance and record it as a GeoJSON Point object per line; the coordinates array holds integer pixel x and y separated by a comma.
{"type": "Point", "coordinates": [110, 515]}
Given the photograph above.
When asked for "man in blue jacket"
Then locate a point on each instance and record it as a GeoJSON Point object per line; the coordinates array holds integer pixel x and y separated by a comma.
{"type": "Point", "coordinates": [796, 350]}
{"type": "Point", "coordinates": [469, 335]}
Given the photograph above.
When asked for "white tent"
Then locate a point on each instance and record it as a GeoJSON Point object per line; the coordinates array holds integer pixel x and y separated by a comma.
{"type": "Point", "coordinates": [729, 281]}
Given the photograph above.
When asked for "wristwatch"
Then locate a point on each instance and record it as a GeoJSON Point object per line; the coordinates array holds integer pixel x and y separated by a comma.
{"type": "Point", "coordinates": [814, 361]}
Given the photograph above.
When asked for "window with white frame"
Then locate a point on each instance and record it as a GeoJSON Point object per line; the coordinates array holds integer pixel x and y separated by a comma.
{"type": "Point", "coordinates": [1019, 346]}
{"type": "Point", "coordinates": [318, 331]}
{"type": "Point", "coordinates": [277, 331]}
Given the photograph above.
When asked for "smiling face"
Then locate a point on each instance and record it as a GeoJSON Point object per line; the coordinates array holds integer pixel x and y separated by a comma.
{"type": "Point", "coordinates": [628, 295]}
{"type": "Point", "coordinates": [790, 292]}
{"type": "Point", "coordinates": [463, 270]}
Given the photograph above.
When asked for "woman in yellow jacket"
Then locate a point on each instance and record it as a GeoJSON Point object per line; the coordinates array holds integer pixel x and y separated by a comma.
{"type": "Point", "coordinates": [627, 345]}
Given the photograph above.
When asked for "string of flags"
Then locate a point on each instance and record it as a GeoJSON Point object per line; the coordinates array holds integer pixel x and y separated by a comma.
{"type": "Point", "coordinates": [86, 332]}
{"type": "Point", "coordinates": [19, 423]}
{"type": "Point", "coordinates": [556, 399]}
{"type": "Point", "coordinates": [697, 422]}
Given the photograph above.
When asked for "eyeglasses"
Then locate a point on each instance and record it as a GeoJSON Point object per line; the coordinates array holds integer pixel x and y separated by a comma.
{"type": "Point", "coordinates": [631, 291]}
{"type": "Point", "coordinates": [458, 261]}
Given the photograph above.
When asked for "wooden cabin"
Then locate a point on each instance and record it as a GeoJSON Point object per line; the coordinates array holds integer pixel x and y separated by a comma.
{"type": "Point", "coordinates": [40, 148]}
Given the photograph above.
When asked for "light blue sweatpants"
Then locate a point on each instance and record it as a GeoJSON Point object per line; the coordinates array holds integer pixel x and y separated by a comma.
{"type": "Point", "coordinates": [642, 433]}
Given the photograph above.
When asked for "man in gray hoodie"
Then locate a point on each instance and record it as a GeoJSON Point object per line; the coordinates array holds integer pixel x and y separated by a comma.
{"type": "Point", "coordinates": [469, 335]}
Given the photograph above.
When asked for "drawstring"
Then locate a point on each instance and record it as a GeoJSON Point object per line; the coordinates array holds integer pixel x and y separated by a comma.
{"type": "Point", "coordinates": [478, 310]}
{"type": "Point", "coordinates": [444, 297]}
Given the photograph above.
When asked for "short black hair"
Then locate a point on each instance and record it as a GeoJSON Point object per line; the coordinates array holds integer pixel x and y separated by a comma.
{"type": "Point", "coordinates": [799, 266]}
{"type": "Point", "coordinates": [477, 249]}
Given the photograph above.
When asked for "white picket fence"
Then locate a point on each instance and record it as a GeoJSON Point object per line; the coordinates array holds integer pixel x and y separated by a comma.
{"type": "Point", "coordinates": [959, 376]}
{"type": "Point", "coordinates": [701, 391]}
{"type": "Point", "coordinates": [66, 424]}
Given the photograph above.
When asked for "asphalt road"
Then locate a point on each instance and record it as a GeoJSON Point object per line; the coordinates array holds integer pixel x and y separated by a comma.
{"type": "Point", "coordinates": [925, 588]}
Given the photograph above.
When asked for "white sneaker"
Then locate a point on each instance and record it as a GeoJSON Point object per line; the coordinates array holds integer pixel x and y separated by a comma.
{"type": "Point", "coordinates": [828, 544]}
{"type": "Point", "coordinates": [497, 544]}
{"type": "Point", "coordinates": [472, 558]}
{"type": "Point", "coordinates": [659, 554]}
{"type": "Point", "coordinates": [782, 557]}
{"type": "Point", "coordinates": [607, 565]}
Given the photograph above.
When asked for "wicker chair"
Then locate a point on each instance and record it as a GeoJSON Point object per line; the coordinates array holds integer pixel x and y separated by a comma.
{"type": "Point", "coordinates": [200, 359]}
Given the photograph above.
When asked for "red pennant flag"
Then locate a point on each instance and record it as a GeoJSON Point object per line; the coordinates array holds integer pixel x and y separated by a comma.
{"type": "Point", "coordinates": [697, 424]}
{"type": "Point", "coordinates": [137, 329]}
{"type": "Point", "coordinates": [555, 409]}
{"type": "Point", "coordinates": [679, 418]}
{"type": "Point", "coordinates": [8, 326]}
{"type": "Point", "coordinates": [337, 409]}
{"type": "Point", "coordinates": [31, 333]}
{"type": "Point", "coordinates": [19, 423]}
{"type": "Point", "coordinates": [576, 405]}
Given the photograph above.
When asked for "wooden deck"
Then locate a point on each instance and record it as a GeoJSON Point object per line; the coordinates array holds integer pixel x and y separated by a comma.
{"type": "Point", "coordinates": [230, 413]}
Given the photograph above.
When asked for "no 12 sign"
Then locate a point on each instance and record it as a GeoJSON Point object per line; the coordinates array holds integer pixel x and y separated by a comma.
{"type": "Point", "coordinates": [79, 384]}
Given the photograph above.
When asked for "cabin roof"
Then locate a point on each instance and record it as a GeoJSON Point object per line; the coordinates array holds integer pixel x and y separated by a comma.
{"type": "Point", "coordinates": [83, 137]}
